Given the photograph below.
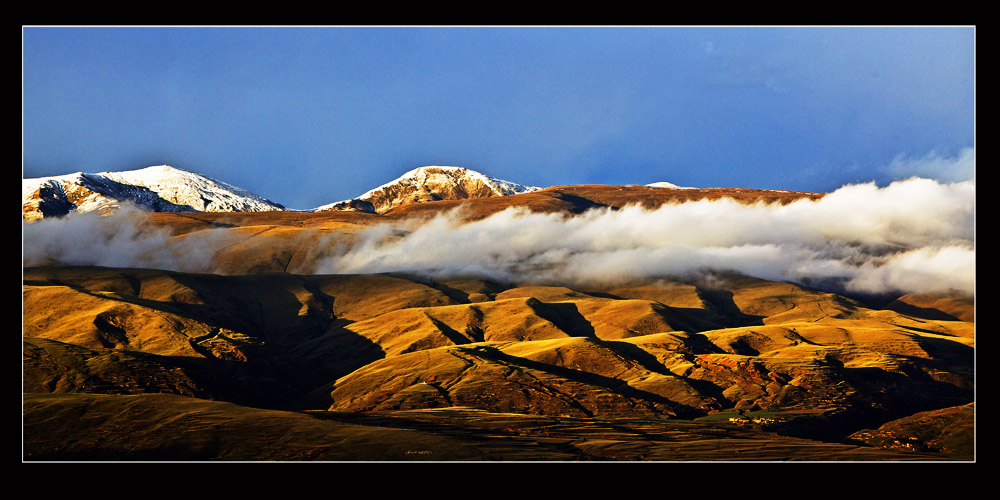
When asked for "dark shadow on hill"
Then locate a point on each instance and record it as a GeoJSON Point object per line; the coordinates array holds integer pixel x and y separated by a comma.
{"type": "Point", "coordinates": [489, 289]}
{"type": "Point", "coordinates": [265, 379]}
{"type": "Point", "coordinates": [949, 357]}
{"type": "Point", "coordinates": [460, 296]}
{"type": "Point", "coordinates": [920, 312]}
{"type": "Point", "coordinates": [609, 384]}
{"type": "Point", "coordinates": [453, 335]}
{"type": "Point", "coordinates": [253, 305]}
{"type": "Point", "coordinates": [869, 300]}
{"type": "Point", "coordinates": [578, 204]}
{"type": "Point", "coordinates": [53, 366]}
{"type": "Point", "coordinates": [565, 315]}
{"type": "Point", "coordinates": [245, 304]}
{"type": "Point", "coordinates": [689, 319]}
{"type": "Point", "coordinates": [224, 302]}
{"type": "Point", "coordinates": [649, 362]}
{"type": "Point", "coordinates": [636, 354]}
{"type": "Point", "coordinates": [743, 348]}
{"type": "Point", "coordinates": [256, 337]}
{"type": "Point", "coordinates": [721, 302]}
{"type": "Point", "coordinates": [139, 195]}
{"type": "Point", "coordinates": [877, 396]}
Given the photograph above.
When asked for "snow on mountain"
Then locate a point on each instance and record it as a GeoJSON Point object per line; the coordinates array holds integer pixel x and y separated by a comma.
{"type": "Point", "coordinates": [429, 183]}
{"type": "Point", "coordinates": [158, 188]}
{"type": "Point", "coordinates": [167, 189]}
{"type": "Point", "coordinates": [666, 185]}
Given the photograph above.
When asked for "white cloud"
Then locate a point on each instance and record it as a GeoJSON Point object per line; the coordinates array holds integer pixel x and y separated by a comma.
{"type": "Point", "coordinates": [912, 235]}
{"type": "Point", "coordinates": [861, 235]}
{"type": "Point", "coordinates": [919, 270]}
{"type": "Point", "coordinates": [960, 168]}
{"type": "Point", "coordinates": [120, 239]}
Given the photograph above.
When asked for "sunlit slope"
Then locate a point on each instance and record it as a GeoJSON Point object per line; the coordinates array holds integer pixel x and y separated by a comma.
{"type": "Point", "coordinates": [675, 374]}
{"type": "Point", "coordinates": [355, 343]}
{"type": "Point", "coordinates": [253, 243]}
{"type": "Point", "coordinates": [799, 350]}
{"type": "Point", "coordinates": [245, 329]}
{"type": "Point", "coordinates": [255, 314]}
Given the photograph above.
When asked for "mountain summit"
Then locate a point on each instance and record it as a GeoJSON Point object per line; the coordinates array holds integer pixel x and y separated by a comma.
{"type": "Point", "coordinates": [159, 188]}
{"type": "Point", "coordinates": [429, 183]}
{"type": "Point", "coordinates": [164, 188]}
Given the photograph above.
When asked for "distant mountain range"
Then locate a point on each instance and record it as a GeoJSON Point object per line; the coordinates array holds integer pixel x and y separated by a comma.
{"type": "Point", "coordinates": [167, 189]}
{"type": "Point", "coordinates": [450, 316]}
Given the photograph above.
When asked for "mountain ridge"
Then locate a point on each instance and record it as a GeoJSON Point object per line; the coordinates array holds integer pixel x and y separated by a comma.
{"type": "Point", "coordinates": [354, 335]}
{"type": "Point", "coordinates": [159, 188]}
{"type": "Point", "coordinates": [163, 188]}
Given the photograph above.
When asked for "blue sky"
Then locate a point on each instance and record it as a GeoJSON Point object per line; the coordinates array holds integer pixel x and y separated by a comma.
{"type": "Point", "coordinates": [311, 115]}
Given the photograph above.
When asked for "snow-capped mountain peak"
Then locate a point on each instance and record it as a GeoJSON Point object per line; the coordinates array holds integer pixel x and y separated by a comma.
{"type": "Point", "coordinates": [430, 183]}
{"type": "Point", "coordinates": [160, 188]}
{"type": "Point", "coordinates": [666, 185]}
{"type": "Point", "coordinates": [186, 188]}
{"type": "Point", "coordinates": [436, 174]}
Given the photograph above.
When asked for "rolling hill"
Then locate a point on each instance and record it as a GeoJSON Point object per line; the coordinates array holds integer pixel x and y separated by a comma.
{"type": "Point", "coordinates": [249, 353]}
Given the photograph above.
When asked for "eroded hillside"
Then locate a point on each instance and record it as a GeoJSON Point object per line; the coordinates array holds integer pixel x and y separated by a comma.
{"type": "Point", "coordinates": [803, 363]}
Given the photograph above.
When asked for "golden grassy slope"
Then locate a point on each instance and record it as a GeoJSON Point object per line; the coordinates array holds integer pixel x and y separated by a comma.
{"type": "Point", "coordinates": [339, 323]}
{"type": "Point", "coordinates": [354, 343]}
{"type": "Point", "coordinates": [816, 364]}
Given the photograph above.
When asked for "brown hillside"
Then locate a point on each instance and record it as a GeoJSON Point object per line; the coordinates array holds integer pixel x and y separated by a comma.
{"type": "Point", "coordinates": [949, 431]}
{"type": "Point", "coordinates": [257, 358]}
{"type": "Point", "coordinates": [576, 199]}
{"type": "Point", "coordinates": [117, 429]}
{"type": "Point", "coordinates": [812, 364]}
{"type": "Point", "coordinates": [946, 304]}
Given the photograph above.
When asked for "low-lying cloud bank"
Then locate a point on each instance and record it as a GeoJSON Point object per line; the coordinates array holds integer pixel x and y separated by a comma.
{"type": "Point", "coordinates": [121, 239]}
{"type": "Point", "coordinates": [911, 236]}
